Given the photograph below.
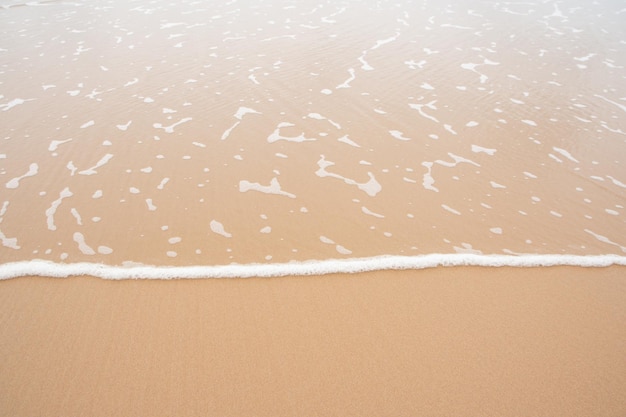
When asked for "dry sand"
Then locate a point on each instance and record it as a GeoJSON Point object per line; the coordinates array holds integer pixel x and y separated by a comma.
{"type": "Point", "coordinates": [438, 342]}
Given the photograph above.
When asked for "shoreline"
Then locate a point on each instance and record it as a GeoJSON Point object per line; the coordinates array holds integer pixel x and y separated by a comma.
{"type": "Point", "coordinates": [442, 341]}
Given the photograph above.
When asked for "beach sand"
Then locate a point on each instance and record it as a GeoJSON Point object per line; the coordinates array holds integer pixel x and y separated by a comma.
{"type": "Point", "coordinates": [462, 341]}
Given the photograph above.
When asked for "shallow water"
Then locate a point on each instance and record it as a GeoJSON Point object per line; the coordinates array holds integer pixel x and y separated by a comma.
{"type": "Point", "coordinates": [205, 133]}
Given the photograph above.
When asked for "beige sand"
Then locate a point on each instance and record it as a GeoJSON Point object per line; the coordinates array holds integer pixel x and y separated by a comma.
{"type": "Point", "coordinates": [440, 342]}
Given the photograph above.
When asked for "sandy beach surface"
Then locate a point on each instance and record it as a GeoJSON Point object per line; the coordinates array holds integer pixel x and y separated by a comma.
{"type": "Point", "coordinates": [204, 133]}
{"type": "Point", "coordinates": [438, 342]}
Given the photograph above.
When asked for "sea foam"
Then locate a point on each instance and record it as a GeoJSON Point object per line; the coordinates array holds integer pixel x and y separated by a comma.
{"type": "Point", "coordinates": [324, 267]}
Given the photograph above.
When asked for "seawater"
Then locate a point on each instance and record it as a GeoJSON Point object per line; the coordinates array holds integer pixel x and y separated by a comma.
{"type": "Point", "coordinates": [270, 134]}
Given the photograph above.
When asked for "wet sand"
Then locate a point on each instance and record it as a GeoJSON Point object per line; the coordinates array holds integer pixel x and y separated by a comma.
{"type": "Point", "coordinates": [438, 342]}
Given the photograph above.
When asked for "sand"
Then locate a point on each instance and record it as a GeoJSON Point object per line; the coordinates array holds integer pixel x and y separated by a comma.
{"type": "Point", "coordinates": [439, 342]}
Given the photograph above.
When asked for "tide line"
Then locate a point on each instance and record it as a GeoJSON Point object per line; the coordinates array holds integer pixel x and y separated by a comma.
{"type": "Point", "coordinates": [322, 267]}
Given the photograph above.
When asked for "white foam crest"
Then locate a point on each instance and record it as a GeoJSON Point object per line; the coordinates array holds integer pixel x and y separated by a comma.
{"type": "Point", "coordinates": [227, 132]}
{"type": "Point", "coordinates": [76, 214]}
{"type": "Point", "coordinates": [273, 188]}
{"type": "Point", "coordinates": [13, 103]}
{"type": "Point", "coordinates": [217, 227]}
{"type": "Point", "coordinates": [65, 193]}
{"type": "Point", "coordinates": [55, 144]}
{"type": "Point", "coordinates": [70, 165]}
{"type": "Point", "coordinates": [621, 106]}
{"type": "Point", "coordinates": [565, 154]}
{"type": "Point", "coordinates": [125, 127]}
{"type": "Point", "coordinates": [92, 170]}
{"type": "Point", "coordinates": [371, 187]}
{"type": "Point", "coordinates": [346, 83]}
{"type": "Point", "coordinates": [428, 180]}
{"type": "Point", "coordinates": [382, 42]}
{"type": "Point", "coordinates": [88, 124]}
{"type": "Point", "coordinates": [479, 149]}
{"type": "Point", "coordinates": [398, 135]}
{"type": "Point", "coordinates": [8, 242]}
{"type": "Point", "coordinates": [345, 139]}
{"type": "Point", "coordinates": [15, 182]}
{"type": "Point", "coordinates": [341, 249]}
{"type": "Point", "coordinates": [496, 185]}
{"type": "Point", "coordinates": [365, 66]}
{"type": "Point", "coordinates": [242, 111]}
{"type": "Point", "coordinates": [616, 182]}
{"type": "Point", "coordinates": [371, 213]}
{"type": "Point", "coordinates": [456, 160]}
{"type": "Point", "coordinates": [325, 267]}
{"type": "Point", "coordinates": [170, 128]}
{"type": "Point", "coordinates": [605, 239]}
{"type": "Point", "coordinates": [151, 206]}
{"type": "Point", "coordinates": [276, 136]}
{"type": "Point", "coordinates": [82, 246]}
{"type": "Point", "coordinates": [450, 209]}
{"type": "Point", "coordinates": [162, 183]}
{"type": "Point", "coordinates": [430, 105]}
{"type": "Point", "coordinates": [318, 116]}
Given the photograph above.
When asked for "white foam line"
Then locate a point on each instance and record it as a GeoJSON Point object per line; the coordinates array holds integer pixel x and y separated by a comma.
{"type": "Point", "coordinates": [330, 266]}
